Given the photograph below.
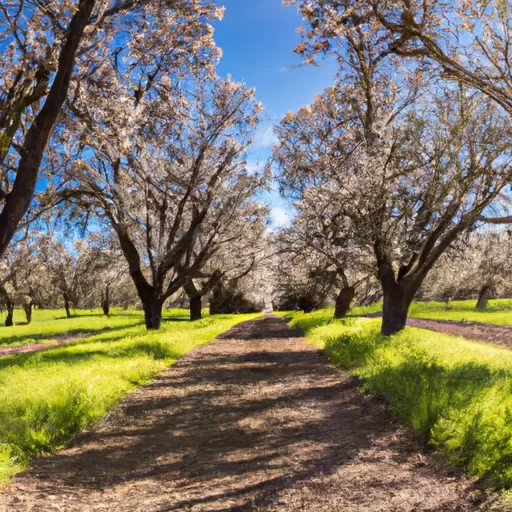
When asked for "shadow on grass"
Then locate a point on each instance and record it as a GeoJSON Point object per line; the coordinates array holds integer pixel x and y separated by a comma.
{"type": "Point", "coordinates": [77, 331]}
{"type": "Point", "coordinates": [175, 319]}
{"type": "Point", "coordinates": [98, 315]}
{"type": "Point", "coordinates": [55, 351]}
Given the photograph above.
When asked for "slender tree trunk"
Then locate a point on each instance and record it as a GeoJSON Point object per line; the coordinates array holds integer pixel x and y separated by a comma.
{"type": "Point", "coordinates": [28, 311]}
{"type": "Point", "coordinates": [483, 297]}
{"type": "Point", "coordinates": [152, 312]}
{"type": "Point", "coordinates": [196, 306]}
{"type": "Point", "coordinates": [9, 305]}
{"type": "Point", "coordinates": [67, 305]}
{"type": "Point", "coordinates": [343, 301]}
{"type": "Point", "coordinates": [105, 301]}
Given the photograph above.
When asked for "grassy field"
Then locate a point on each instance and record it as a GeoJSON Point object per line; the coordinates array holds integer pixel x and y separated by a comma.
{"type": "Point", "coordinates": [47, 397]}
{"type": "Point", "coordinates": [498, 311]}
{"type": "Point", "coordinates": [455, 393]}
{"type": "Point", "coordinates": [47, 324]}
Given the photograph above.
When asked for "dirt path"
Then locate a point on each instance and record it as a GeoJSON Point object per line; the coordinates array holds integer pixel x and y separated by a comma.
{"type": "Point", "coordinates": [497, 334]}
{"type": "Point", "coordinates": [255, 421]}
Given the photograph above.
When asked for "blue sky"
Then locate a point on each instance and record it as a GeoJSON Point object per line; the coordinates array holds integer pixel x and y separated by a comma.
{"type": "Point", "coordinates": [258, 38]}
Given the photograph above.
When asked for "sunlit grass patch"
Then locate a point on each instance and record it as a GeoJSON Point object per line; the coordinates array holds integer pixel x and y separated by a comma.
{"type": "Point", "coordinates": [49, 324]}
{"type": "Point", "coordinates": [498, 311]}
{"type": "Point", "coordinates": [47, 397]}
{"type": "Point", "coordinates": [455, 393]}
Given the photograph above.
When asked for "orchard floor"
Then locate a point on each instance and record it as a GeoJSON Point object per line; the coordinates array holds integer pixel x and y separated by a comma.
{"type": "Point", "coordinates": [490, 333]}
{"type": "Point", "coordinates": [258, 420]}
{"type": "Point", "coordinates": [59, 341]}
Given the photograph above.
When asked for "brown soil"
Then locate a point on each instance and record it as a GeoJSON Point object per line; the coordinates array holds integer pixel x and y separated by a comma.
{"type": "Point", "coordinates": [38, 347]}
{"type": "Point", "coordinates": [256, 421]}
{"type": "Point", "coordinates": [497, 334]}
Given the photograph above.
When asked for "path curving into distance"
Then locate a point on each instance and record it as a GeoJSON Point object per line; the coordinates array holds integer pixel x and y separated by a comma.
{"type": "Point", "coordinates": [257, 420]}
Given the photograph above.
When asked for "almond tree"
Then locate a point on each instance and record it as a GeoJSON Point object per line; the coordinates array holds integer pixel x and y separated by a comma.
{"type": "Point", "coordinates": [73, 267]}
{"type": "Point", "coordinates": [468, 41]}
{"type": "Point", "coordinates": [21, 277]}
{"type": "Point", "coordinates": [410, 168]}
{"type": "Point", "coordinates": [479, 266]}
{"type": "Point", "coordinates": [47, 50]}
{"type": "Point", "coordinates": [240, 249]}
{"type": "Point", "coordinates": [303, 281]}
{"type": "Point", "coordinates": [319, 227]}
{"type": "Point", "coordinates": [163, 168]}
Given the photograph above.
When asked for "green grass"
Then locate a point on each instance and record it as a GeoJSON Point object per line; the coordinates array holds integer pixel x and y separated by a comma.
{"type": "Point", "coordinates": [46, 397]}
{"type": "Point", "coordinates": [455, 393]}
{"type": "Point", "coordinates": [47, 324]}
{"type": "Point", "coordinates": [498, 311]}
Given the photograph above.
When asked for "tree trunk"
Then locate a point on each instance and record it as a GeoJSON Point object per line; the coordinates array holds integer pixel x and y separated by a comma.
{"type": "Point", "coordinates": [67, 305]}
{"type": "Point", "coordinates": [36, 139]}
{"type": "Point", "coordinates": [306, 305]}
{"type": "Point", "coordinates": [105, 301]}
{"type": "Point", "coordinates": [216, 298]}
{"type": "Point", "coordinates": [9, 321]}
{"type": "Point", "coordinates": [343, 301]}
{"type": "Point", "coordinates": [397, 300]}
{"type": "Point", "coordinates": [196, 305]}
{"type": "Point", "coordinates": [483, 297]}
{"type": "Point", "coordinates": [28, 311]}
{"type": "Point", "coordinates": [152, 313]}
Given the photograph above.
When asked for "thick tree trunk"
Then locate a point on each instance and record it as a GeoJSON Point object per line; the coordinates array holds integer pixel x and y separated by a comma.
{"type": "Point", "coordinates": [36, 139]}
{"type": "Point", "coordinates": [343, 301]}
{"type": "Point", "coordinates": [397, 300]}
{"type": "Point", "coordinates": [28, 311]}
{"type": "Point", "coordinates": [67, 305]}
{"type": "Point", "coordinates": [105, 301]}
{"type": "Point", "coordinates": [9, 321]}
{"type": "Point", "coordinates": [216, 298]}
{"type": "Point", "coordinates": [152, 313]}
{"type": "Point", "coordinates": [306, 305]}
{"type": "Point", "coordinates": [195, 298]}
{"type": "Point", "coordinates": [196, 306]}
{"type": "Point", "coordinates": [483, 297]}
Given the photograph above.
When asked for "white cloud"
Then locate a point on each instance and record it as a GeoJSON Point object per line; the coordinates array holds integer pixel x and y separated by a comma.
{"type": "Point", "coordinates": [253, 167]}
{"type": "Point", "coordinates": [265, 139]}
{"type": "Point", "coordinates": [280, 217]}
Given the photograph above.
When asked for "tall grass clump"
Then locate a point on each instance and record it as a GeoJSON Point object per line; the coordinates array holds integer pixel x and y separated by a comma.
{"type": "Point", "coordinates": [47, 397]}
{"type": "Point", "coordinates": [455, 393]}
